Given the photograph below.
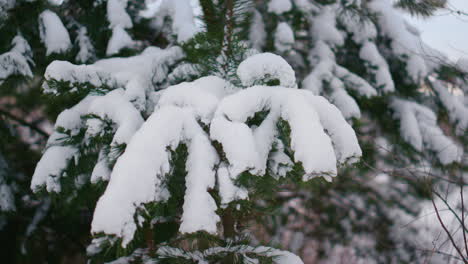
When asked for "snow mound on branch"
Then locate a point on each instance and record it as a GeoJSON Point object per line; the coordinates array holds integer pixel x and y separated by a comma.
{"type": "Point", "coordinates": [76, 74]}
{"type": "Point", "coordinates": [405, 42]}
{"type": "Point", "coordinates": [113, 106]}
{"type": "Point", "coordinates": [117, 15]}
{"type": "Point", "coordinates": [147, 156]}
{"type": "Point", "coordinates": [284, 37]}
{"type": "Point", "coordinates": [52, 164]}
{"type": "Point", "coordinates": [180, 12]}
{"type": "Point", "coordinates": [137, 74]}
{"type": "Point", "coordinates": [265, 67]}
{"type": "Point", "coordinates": [87, 51]}
{"type": "Point", "coordinates": [56, 157]}
{"type": "Point", "coordinates": [279, 6]}
{"type": "Point", "coordinates": [201, 96]}
{"type": "Point", "coordinates": [119, 20]}
{"type": "Point", "coordinates": [338, 79]}
{"type": "Point", "coordinates": [174, 122]}
{"type": "Point", "coordinates": [418, 127]}
{"type": "Point", "coordinates": [365, 34]}
{"type": "Point", "coordinates": [457, 111]}
{"type": "Point", "coordinates": [247, 149]}
{"type": "Point", "coordinates": [53, 33]}
{"type": "Point", "coordinates": [15, 62]}
{"type": "Point", "coordinates": [119, 40]}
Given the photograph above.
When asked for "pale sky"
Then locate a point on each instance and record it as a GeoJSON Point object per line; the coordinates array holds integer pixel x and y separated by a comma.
{"type": "Point", "coordinates": [447, 32]}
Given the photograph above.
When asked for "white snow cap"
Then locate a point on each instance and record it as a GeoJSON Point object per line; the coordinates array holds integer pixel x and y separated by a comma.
{"type": "Point", "coordinates": [266, 67]}
{"type": "Point", "coordinates": [119, 40]}
{"type": "Point", "coordinates": [405, 42]}
{"type": "Point", "coordinates": [86, 52]}
{"type": "Point", "coordinates": [147, 158]}
{"type": "Point", "coordinates": [181, 13]}
{"type": "Point", "coordinates": [119, 20]}
{"type": "Point", "coordinates": [279, 6]}
{"type": "Point", "coordinates": [457, 110]}
{"type": "Point", "coordinates": [53, 33]}
{"type": "Point", "coordinates": [418, 127]}
{"type": "Point", "coordinates": [284, 37]}
{"type": "Point", "coordinates": [137, 74]}
{"type": "Point", "coordinates": [247, 148]}
{"type": "Point", "coordinates": [16, 61]}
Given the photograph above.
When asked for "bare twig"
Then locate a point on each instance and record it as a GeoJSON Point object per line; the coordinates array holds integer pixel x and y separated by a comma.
{"type": "Point", "coordinates": [33, 127]}
{"type": "Point", "coordinates": [463, 218]}
{"type": "Point", "coordinates": [454, 244]}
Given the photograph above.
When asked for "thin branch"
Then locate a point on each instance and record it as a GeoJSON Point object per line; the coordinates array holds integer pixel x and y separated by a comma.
{"type": "Point", "coordinates": [463, 218]}
{"type": "Point", "coordinates": [24, 123]}
{"type": "Point", "coordinates": [451, 210]}
{"type": "Point", "coordinates": [448, 233]}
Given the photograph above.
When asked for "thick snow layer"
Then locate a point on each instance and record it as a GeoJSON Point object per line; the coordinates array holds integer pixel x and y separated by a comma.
{"type": "Point", "coordinates": [115, 107]}
{"type": "Point", "coordinates": [15, 62]}
{"type": "Point", "coordinates": [201, 96]}
{"type": "Point", "coordinates": [86, 52]}
{"type": "Point", "coordinates": [342, 134]}
{"type": "Point", "coordinates": [284, 37]}
{"type": "Point", "coordinates": [279, 6]}
{"type": "Point", "coordinates": [112, 106]}
{"type": "Point", "coordinates": [418, 127]}
{"type": "Point", "coordinates": [117, 15]}
{"type": "Point", "coordinates": [181, 14]}
{"type": "Point", "coordinates": [457, 111]}
{"type": "Point", "coordinates": [337, 78]}
{"type": "Point", "coordinates": [244, 149]}
{"type": "Point", "coordinates": [364, 33]}
{"type": "Point", "coordinates": [147, 156]}
{"type": "Point", "coordinates": [119, 40]}
{"type": "Point", "coordinates": [378, 66]}
{"type": "Point", "coordinates": [119, 20]}
{"type": "Point", "coordinates": [227, 189]}
{"type": "Point", "coordinates": [57, 156]}
{"type": "Point", "coordinates": [199, 209]}
{"type": "Point", "coordinates": [324, 27]}
{"type": "Point", "coordinates": [76, 74]}
{"type": "Point", "coordinates": [137, 74]}
{"type": "Point", "coordinates": [70, 119]}
{"type": "Point", "coordinates": [101, 171]}
{"type": "Point", "coordinates": [50, 168]}
{"type": "Point", "coordinates": [404, 42]}
{"type": "Point", "coordinates": [53, 33]}
{"type": "Point", "coordinates": [265, 67]}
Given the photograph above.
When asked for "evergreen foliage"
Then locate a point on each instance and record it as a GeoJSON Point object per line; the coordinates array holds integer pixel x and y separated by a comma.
{"type": "Point", "coordinates": [222, 132]}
